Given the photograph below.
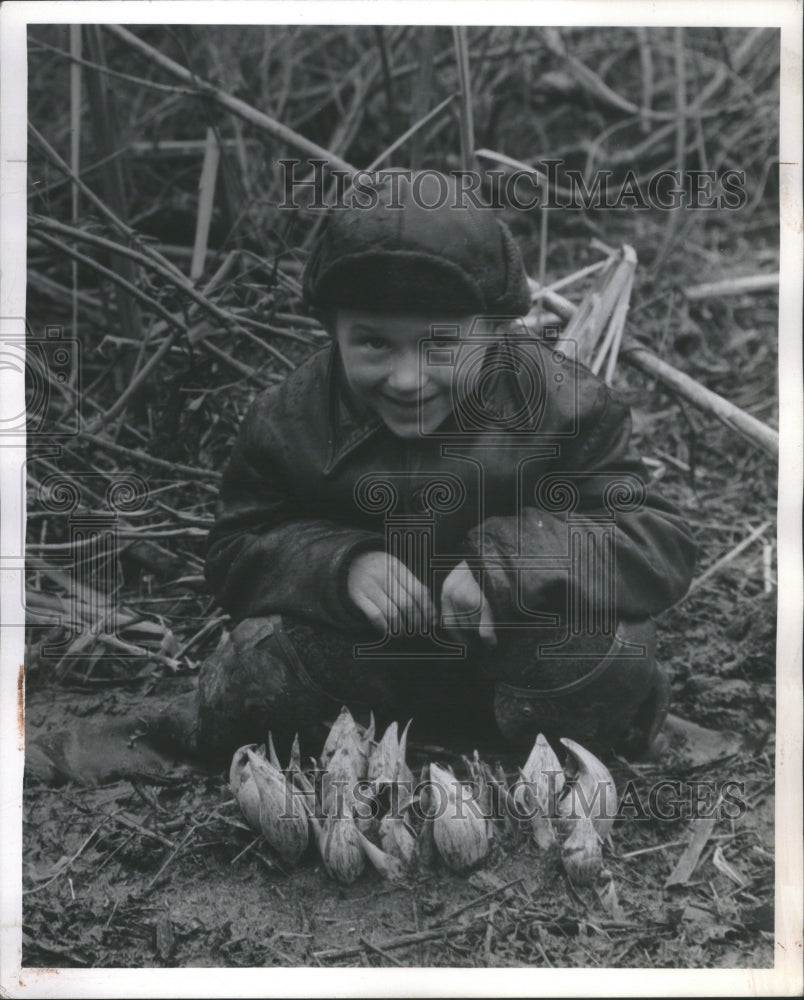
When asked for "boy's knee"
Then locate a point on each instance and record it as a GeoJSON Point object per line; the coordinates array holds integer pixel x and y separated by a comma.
{"type": "Point", "coordinates": [282, 675]}
{"type": "Point", "coordinates": [601, 692]}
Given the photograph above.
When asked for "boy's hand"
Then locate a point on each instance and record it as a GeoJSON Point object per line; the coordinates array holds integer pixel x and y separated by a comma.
{"type": "Point", "coordinates": [389, 595]}
{"type": "Point", "coordinates": [461, 595]}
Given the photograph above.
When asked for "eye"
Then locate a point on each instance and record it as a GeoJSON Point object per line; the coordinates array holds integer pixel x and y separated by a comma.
{"type": "Point", "coordinates": [373, 343]}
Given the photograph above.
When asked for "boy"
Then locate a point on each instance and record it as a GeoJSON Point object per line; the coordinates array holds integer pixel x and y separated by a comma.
{"type": "Point", "coordinates": [437, 516]}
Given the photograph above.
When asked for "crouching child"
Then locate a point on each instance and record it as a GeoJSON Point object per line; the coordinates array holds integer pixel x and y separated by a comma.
{"type": "Point", "coordinates": [438, 515]}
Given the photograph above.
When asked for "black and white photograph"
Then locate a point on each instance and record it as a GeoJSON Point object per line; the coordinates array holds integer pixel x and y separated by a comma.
{"type": "Point", "coordinates": [401, 480]}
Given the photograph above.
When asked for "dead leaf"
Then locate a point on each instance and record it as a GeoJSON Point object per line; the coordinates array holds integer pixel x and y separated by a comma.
{"type": "Point", "coordinates": [689, 859]}
{"type": "Point", "coordinates": [165, 939]}
{"type": "Point", "coordinates": [723, 866]}
{"type": "Point", "coordinates": [606, 892]}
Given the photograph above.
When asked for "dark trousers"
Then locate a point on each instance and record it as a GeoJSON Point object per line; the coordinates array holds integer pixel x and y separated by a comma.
{"type": "Point", "coordinates": [285, 676]}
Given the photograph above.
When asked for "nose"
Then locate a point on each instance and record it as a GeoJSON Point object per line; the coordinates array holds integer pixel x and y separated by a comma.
{"type": "Point", "coordinates": [405, 377]}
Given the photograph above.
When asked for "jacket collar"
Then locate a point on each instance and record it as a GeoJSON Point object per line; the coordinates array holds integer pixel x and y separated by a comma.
{"type": "Point", "coordinates": [352, 423]}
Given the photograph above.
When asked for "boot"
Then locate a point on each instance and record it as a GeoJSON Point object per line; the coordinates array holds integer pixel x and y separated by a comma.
{"type": "Point", "coordinates": [618, 700]}
{"type": "Point", "coordinates": [286, 677]}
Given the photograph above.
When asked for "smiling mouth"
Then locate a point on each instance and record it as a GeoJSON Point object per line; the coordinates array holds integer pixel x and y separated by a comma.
{"type": "Point", "coordinates": [408, 404]}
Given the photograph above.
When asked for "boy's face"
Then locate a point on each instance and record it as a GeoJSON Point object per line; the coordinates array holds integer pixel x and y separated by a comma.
{"type": "Point", "coordinates": [387, 371]}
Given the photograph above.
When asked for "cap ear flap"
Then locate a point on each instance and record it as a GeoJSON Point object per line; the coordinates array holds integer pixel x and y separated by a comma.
{"type": "Point", "coordinates": [312, 269]}
{"type": "Point", "coordinates": [327, 316]}
{"type": "Point", "coordinates": [516, 297]}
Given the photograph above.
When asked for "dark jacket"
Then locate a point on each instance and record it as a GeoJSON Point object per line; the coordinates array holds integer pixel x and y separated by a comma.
{"type": "Point", "coordinates": [539, 491]}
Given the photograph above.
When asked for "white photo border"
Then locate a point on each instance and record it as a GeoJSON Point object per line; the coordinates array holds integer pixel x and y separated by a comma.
{"type": "Point", "coordinates": [786, 976]}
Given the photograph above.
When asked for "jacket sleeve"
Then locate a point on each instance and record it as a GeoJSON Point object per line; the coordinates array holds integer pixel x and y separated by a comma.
{"type": "Point", "coordinates": [263, 555]}
{"type": "Point", "coordinates": [603, 542]}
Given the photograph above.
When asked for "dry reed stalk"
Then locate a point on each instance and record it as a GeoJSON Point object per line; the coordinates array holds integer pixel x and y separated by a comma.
{"type": "Point", "coordinates": [388, 86]}
{"type": "Point", "coordinates": [585, 76]}
{"type": "Point", "coordinates": [543, 234]}
{"type": "Point", "coordinates": [62, 293]}
{"type": "Point", "coordinates": [539, 290]}
{"type": "Point", "coordinates": [113, 276]}
{"type": "Point", "coordinates": [422, 90]}
{"type": "Point", "coordinates": [748, 427]}
{"type": "Point", "coordinates": [700, 143]}
{"type": "Point", "coordinates": [618, 327]}
{"type": "Point", "coordinates": [134, 454]}
{"type": "Point", "coordinates": [75, 154]}
{"type": "Point", "coordinates": [646, 66]}
{"type": "Point", "coordinates": [610, 345]}
{"type": "Point", "coordinates": [150, 258]}
{"type": "Point", "coordinates": [173, 321]}
{"type": "Point", "coordinates": [592, 82]}
{"type": "Point", "coordinates": [681, 99]}
{"type": "Point", "coordinates": [733, 286]}
{"type": "Point", "coordinates": [140, 376]}
{"type": "Point", "coordinates": [170, 148]}
{"type": "Point", "coordinates": [351, 119]}
{"type": "Point", "coordinates": [742, 56]}
{"type": "Point", "coordinates": [688, 861]}
{"type": "Point", "coordinates": [729, 557]}
{"type": "Point", "coordinates": [513, 164]}
{"type": "Point", "coordinates": [117, 223]}
{"type": "Point", "coordinates": [598, 305]}
{"type": "Point", "coordinates": [206, 200]}
{"type": "Point", "coordinates": [138, 81]}
{"type": "Point", "coordinates": [414, 130]}
{"type": "Point", "coordinates": [94, 611]}
{"type": "Point", "coordinates": [240, 146]}
{"type": "Point", "coordinates": [767, 566]}
{"type": "Point", "coordinates": [258, 119]}
{"type": "Point", "coordinates": [467, 124]}
{"type": "Point", "coordinates": [105, 132]}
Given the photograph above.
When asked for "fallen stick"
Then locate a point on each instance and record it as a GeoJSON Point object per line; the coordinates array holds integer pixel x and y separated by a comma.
{"type": "Point", "coordinates": [190, 833]}
{"type": "Point", "coordinates": [733, 286]}
{"type": "Point", "coordinates": [419, 936]}
{"type": "Point", "coordinates": [729, 557]}
{"type": "Point", "coordinates": [413, 130]}
{"type": "Point", "coordinates": [124, 820]}
{"type": "Point", "coordinates": [206, 202]}
{"type": "Point", "coordinates": [480, 899]}
{"type": "Point", "coordinates": [175, 468]}
{"type": "Point", "coordinates": [568, 279]}
{"type": "Point", "coordinates": [180, 147]}
{"type": "Point", "coordinates": [399, 942]}
{"type": "Point", "coordinates": [767, 566]}
{"type": "Point", "coordinates": [64, 864]}
{"type": "Point", "coordinates": [556, 303]}
{"type": "Point", "coordinates": [651, 850]}
{"type": "Point", "coordinates": [379, 951]}
{"type": "Point", "coordinates": [753, 430]}
{"type": "Point", "coordinates": [727, 413]}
